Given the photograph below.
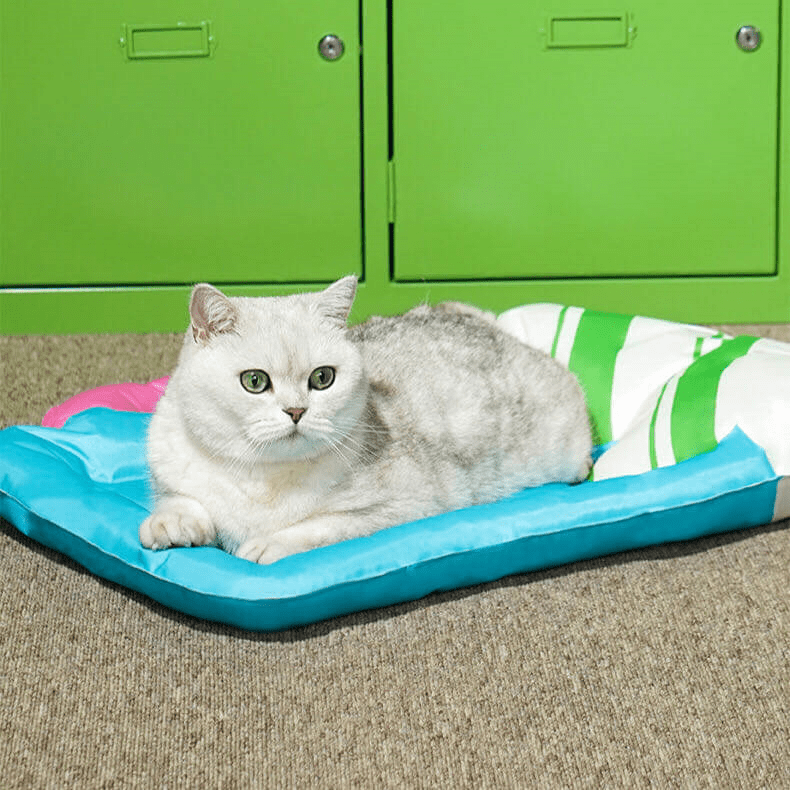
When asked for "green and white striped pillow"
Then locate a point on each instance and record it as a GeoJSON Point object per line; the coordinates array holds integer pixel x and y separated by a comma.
{"type": "Point", "coordinates": [661, 391]}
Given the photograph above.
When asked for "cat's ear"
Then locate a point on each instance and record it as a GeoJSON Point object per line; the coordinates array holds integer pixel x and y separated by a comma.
{"type": "Point", "coordinates": [211, 312]}
{"type": "Point", "coordinates": [336, 301]}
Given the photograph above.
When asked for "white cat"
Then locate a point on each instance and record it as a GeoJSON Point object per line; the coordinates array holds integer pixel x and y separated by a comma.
{"type": "Point", "coordinates": [282, 430]}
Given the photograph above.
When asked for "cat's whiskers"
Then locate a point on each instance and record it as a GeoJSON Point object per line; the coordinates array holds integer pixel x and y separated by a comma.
{"type": "Point", "coordinates": [238, 462]}
{"type": "Point", "coordinates": [327, 433]}
{"type": "Point", "coordinates": [348, 441]}
{"type": "Point", "coordinates": [350, 444]}
{"type": "Point", "coordinates": [335, 449]}
{"type": "Point", "coordinates": [326, 425]}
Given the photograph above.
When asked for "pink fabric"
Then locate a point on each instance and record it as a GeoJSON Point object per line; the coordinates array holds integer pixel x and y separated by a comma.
{"type": "Point", "coordinates": [121, 397]}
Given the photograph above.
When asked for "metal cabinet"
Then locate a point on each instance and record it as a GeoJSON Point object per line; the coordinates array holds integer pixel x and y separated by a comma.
{"type": "Point", "coordinates": [629, 159]}
{"type": "Point", "coordinates": [555, 140]}
{"type": "Point", "coordinates": [160, 141]}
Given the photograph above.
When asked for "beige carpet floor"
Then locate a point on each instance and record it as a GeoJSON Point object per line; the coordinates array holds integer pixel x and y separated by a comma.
{"type": "Point", "coordinates": [667, 667]}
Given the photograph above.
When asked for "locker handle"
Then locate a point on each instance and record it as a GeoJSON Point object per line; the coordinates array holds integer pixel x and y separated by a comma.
{"type": "Point", "coordinates": [566, 31]}
{"type": "Point", "coordinates": [178, 40]}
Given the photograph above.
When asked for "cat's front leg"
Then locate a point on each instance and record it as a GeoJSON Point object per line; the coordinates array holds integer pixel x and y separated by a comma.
{"type": "Point", "coordinates": [266, 550]}
{"type": "Point", "coordinates": [177, 521]}
{"type": "Point", "coordinates": [309, 534]}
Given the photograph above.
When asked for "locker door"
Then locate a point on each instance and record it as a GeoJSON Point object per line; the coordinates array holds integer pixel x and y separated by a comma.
{"type": "Point", "coordinates": [572, 140]}
{"type": "Point", "coordinates": [170, 141]}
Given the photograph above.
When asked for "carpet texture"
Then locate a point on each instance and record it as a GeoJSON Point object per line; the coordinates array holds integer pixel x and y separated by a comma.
{"type": "Point", "coordinates": [667, 667]}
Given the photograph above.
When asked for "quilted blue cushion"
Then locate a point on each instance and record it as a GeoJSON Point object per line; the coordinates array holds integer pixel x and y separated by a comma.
{"type": "Point", "coordinates": [83, 491]}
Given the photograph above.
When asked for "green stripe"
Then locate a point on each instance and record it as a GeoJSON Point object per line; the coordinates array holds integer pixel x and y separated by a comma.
{"type": "Point", "coordinates": [694, 408]}
{"type": "Point", "coordinates": [599, 338]}
{"type": "Point", "coordinates": [560, 322]}
{"type": "Point", "coordinates": [701, 340]}
{"type": "Point", "coordinates": [652, 434]}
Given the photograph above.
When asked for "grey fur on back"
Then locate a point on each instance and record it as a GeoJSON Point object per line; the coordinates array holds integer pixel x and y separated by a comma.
{"type": "Point", "coordinates": [474, 407]}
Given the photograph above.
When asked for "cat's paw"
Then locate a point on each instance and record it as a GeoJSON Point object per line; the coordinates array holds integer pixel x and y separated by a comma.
{"type": "Point", "coordinates": [264, 550]}
{"type": "Point", "coordinates": [177, 521]}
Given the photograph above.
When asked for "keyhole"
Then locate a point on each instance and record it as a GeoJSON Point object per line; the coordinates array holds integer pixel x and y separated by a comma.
{"type": "Point", "coordinates": [331, 47]}
{"type": "Point", "coordinates": [748, 38]}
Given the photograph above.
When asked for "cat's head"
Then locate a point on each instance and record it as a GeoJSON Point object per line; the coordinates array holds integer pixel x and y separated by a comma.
{"type": "Point", "coordinates": [271, 379]}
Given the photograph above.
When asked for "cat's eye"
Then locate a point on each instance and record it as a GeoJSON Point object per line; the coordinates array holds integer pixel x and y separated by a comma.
{"type": "Point", "coordinates": [321, 378]}
{"type": "Point", "coordinates": [255, 381]}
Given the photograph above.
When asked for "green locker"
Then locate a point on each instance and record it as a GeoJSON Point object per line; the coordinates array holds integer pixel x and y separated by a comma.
{"type": "Point", "coordinates": [161, 141]}
{"type": "Point", "coordinates": [571, 139]}
{"type": "Point", "coordinates": [628, 159]}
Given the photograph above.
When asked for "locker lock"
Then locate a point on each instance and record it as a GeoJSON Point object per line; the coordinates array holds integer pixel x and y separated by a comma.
{"type": "Point", "coordinates": [748, 38]}
{"type": "Point", "coordinates": [331, 47]}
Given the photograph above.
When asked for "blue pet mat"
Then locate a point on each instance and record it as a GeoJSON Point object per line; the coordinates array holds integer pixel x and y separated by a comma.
{"type": "Point", "coordinates": [83, 490]}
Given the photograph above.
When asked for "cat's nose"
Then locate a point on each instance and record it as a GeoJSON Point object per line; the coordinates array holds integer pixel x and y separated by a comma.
{"type": "Point", "coordinates": [295, 414]}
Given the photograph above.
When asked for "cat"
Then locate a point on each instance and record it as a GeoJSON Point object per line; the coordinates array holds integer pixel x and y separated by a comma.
{"type": "Point", "coordinates": [282, 429]}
